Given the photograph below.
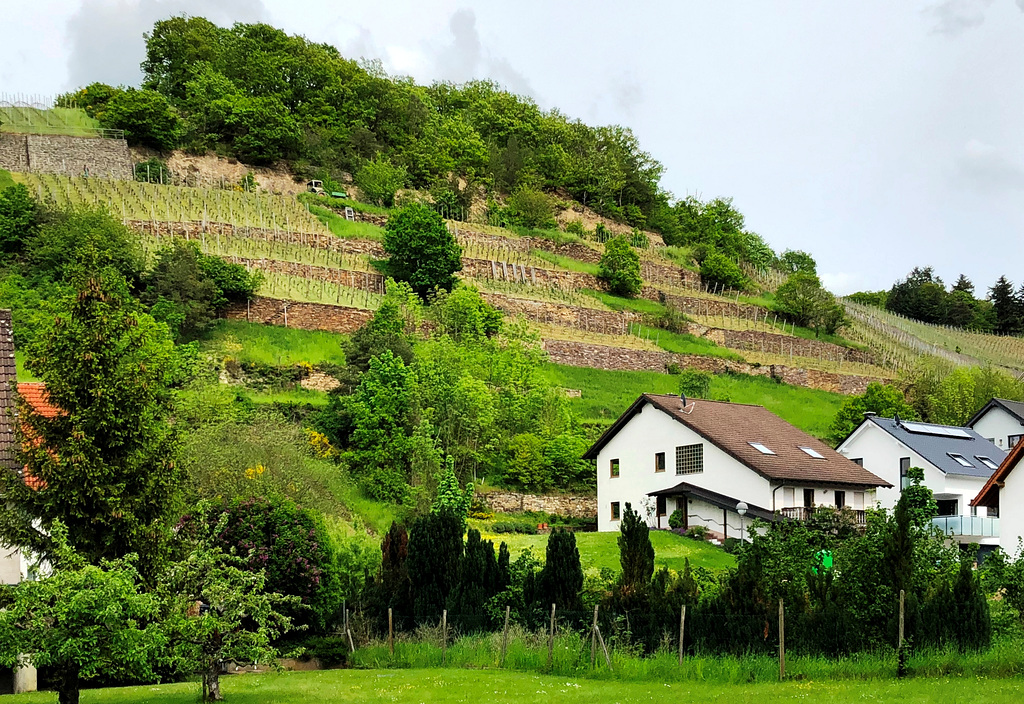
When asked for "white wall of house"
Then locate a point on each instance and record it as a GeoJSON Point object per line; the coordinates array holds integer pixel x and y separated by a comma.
{"type": "Point", "coordinates": [13, 566]}
{"type": "Point", "coordinates": [881, 454]}
{"type": "Point", "coordinates": [997, 425]}
{"type": "Point", "coordinates": [1011, 519]}
{"type": "Point", "coordinates": [635, 445]}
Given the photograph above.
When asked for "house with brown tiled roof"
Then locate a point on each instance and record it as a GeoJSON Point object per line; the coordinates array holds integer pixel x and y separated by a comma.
{"type": "Point", "coordinates": [721, 465]}
{"type": "Point", "coordinates": [1003, 495]}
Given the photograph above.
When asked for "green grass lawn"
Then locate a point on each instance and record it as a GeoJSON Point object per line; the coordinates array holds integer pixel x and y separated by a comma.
{"type": "Point", "coordinates": [271, 344]}
{"type": "Point", "coordinates": [565, 262]}
{"type": "Point", "coordinates": [347, 229]}
{"type": "Point", "coordinates": [470, 685]}
{"type": "Point", "coordinates": [606, 394]}
{"type": "Point", "coordinates": [620, 303]}
{"type": "Point", "coordinates": [600, 550]}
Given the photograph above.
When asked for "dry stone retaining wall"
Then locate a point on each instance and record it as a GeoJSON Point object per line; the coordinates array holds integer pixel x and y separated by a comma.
{"type": "Point", "coordinates": [70, 156]}
{"type": "Point", "coordinates": [757, 341]}
{"type": "Point", "coordinates": [579, 354]}
{"type": "Point", "coordinates": [301, 316]}
{"type": "Point", "coordinates": [589, 319]}
{"type": "Point", "coordinates": [511, 502]}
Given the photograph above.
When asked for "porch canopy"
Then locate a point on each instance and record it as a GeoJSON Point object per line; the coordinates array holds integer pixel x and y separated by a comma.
{"type": "Point", "coordinates": [715, 499]}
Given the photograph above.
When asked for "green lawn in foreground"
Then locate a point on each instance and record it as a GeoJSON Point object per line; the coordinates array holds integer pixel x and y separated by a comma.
{"type": "Point", "coordinates": [598, 550]}
{"type": "Point", "coordinates": [606, 394]}
{"type": "Point", "coordinates": [435, 686]}
{"type": "Point", "coordinates": [271, 344]}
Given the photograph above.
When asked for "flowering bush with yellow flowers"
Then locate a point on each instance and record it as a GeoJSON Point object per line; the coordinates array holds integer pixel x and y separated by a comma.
{"type": "Point", "coordinates": [255, 472]}
{"type": "Point", "coordinates": [322, 447]}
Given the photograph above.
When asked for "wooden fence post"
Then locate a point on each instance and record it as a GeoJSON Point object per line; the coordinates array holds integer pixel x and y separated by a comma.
{"type": "Point", "coordinates": [551, 638]}
{"type": "Point", "coordinates": [391, 633]}
{"type": "Point", "coordinates": [782, 641]}
{"type": "Point", "coordinates": [901, 655]}
{"type": "Point", "coordinates": [682, 626]}
{"type": "Point", "coordinates": [593, 641]}
{"type": "Point", "coordinates": [444, 637]}
{"type": "Point", "coordinates": [504, 637]}
{"type": "Point", "coordinates": [600, 639]}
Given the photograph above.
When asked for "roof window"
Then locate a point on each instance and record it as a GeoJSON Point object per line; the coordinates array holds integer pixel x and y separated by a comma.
{"type": "Point", "coordinates": [812, 452]}
{"type": "Point", "coordinates": [987, 461]}
{"type": "Point", "coordinates": [760, 447]}
{"type": "Point", "coordinates": [960, 459]}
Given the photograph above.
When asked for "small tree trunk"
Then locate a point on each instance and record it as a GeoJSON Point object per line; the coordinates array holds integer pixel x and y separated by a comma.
{"type": "Point", "coordinates": [69, 684]}
{"type": "Point", "coordinates": [211, 684]}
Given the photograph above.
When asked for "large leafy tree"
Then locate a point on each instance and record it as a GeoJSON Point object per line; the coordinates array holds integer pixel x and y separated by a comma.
{"type": "Point", "coordinates": [215, 611]}
{"type": "Point", "coordinates": [82, 621]}
{"type": "Point", "coordinates": [106, 461]}
{"type": "Point", "coordinates": [421, 250]}
{"type": "Point", "coordinates": [619, 268]}
{"type": "Point", "coordinates": [146, 116]}
{"type": "Point", "coordinates": [881, 399]}
{"type": "Point", "coordinates": [805, 301]}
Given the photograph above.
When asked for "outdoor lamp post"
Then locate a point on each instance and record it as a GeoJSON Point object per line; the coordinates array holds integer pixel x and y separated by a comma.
{"type": "Point", "coordinates": [741, 508]}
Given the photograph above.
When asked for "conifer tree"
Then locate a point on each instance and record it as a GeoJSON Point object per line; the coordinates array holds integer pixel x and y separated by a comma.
{"type": "Point", "coordinates": [435, 555]}
{"type": "Point", "coordinates": [636, 554]}
{"type": "Point", "coordinates": [561, 579]}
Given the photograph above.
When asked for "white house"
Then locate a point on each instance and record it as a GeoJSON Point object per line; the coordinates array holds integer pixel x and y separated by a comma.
{"type": "Point", "coordinates": [705, 457]}
{"type": "Point", "coordinates": [956, 462]}
{"type": "Point", "coordinates": [1001, 422]}
{"type": "Point", "coordinates": [1006, 487]}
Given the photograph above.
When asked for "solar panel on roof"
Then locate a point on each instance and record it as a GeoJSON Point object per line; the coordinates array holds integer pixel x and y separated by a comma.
{"type": "Point", "coordinates": [940, 430]}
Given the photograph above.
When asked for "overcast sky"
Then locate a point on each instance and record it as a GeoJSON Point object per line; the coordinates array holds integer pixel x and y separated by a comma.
{"type": "Point", "coordinates": [877, 134]}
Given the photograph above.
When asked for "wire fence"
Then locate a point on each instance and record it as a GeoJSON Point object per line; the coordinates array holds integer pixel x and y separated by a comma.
{"type": "Point", "coordinates": [39, 114]}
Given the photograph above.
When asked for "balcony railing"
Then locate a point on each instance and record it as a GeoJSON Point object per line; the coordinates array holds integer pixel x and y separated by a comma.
{"type": "Point", "coordinates": [802, 513]}
{"type": "Point", "coordinates": [974, 526]}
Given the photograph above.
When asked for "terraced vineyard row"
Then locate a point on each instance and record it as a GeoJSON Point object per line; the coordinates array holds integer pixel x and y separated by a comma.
{"type": "Point", "coordinates": [132, 200]}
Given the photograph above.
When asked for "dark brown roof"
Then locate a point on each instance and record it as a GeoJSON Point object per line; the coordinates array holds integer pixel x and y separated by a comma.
{"type": "Point", "coordinates": [989, 494]}
{"type": "Point", "coordinates": [8, 383]}
{"type": "Point", "coordinates": [733, 426]}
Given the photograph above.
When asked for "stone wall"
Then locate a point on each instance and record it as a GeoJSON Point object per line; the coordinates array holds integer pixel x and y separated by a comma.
{"type": "Point", "coordinates": [196, 230]}
{"type": "Point", "coordinates": [579, 354]}
{"type": "Point", "coordinates": [70, 156]}
{"type": "Point", "coordinates": [511, 502]}
{"type": "Point", "coordinates": [13, 152]}
{"type": "Point", "coordinates": [301, 316]}
{"type": "Point", "coordinates": [589, 319]}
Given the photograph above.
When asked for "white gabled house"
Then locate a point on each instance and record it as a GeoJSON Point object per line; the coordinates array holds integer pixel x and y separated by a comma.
{"type": "Point", "coordinates": [706, 457]}
{"type": "Point", "coordinates": [956, 462]}
{"type": "Point", "coordinates": [1006, 487]}
{"type": "Point", "coordinates": [1001, 422]}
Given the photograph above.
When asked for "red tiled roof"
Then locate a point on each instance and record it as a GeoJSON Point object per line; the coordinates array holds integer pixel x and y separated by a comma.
{"type": "Point", "coordinates": [733, 426]}
{"type": "Point", "coordinates": [35, 396]}
{"type": "Point", "coordinates": [989, 494]}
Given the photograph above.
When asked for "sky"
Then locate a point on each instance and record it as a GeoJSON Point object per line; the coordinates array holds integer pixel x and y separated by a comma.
{"type": "Point", "coordinates": [876, 135]}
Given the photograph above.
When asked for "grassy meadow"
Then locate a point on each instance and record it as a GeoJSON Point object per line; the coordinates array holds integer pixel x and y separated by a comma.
{"type": "Point", "coordinates": [436, 685]}
{"type": "Point", "coordinates": [271, 344]}
{"type": "Point", "coordinates": [601, 551]}
{"type": "Point", "coordinates": [606, 394]}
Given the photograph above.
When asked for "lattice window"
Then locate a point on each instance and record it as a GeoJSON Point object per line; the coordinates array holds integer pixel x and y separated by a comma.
{"type": "Point", "coordinates": [689, 459]}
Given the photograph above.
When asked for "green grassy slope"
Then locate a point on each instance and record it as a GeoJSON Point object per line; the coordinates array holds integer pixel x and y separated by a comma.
{"type": "Point", "coordinates": [271, 344]}
{"type": "Point", "coordinates": [600, 550]}
{"type": "Point", "coordinates": [56, 121]}
{"type": "Point", "coordinates": [437, 686]}
{"type": "Point", "coordinates": [606, 394]}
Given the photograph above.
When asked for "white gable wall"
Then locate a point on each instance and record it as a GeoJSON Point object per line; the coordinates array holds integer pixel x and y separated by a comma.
{"type": "Point", "coordinates": [1011, 504]}
{"type": "Point", "coordinates": [13, 566]}
{"type": "Point", "coordinates": [997, 425]}
{"type": "Point", "coordinates": [635, 445]}
{"type": "Point", "coordinates": [881, 453]}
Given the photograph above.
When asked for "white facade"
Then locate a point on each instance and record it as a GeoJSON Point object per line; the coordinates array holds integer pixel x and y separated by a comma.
{"type": "Point", "coordinates": [1011, 521]}
{"type": "Point", "coordinates": [651, 431]}
{"type": "Point", "coordinates": [999, 427]}
{"type": "Point", "coordinates": [13, 566]}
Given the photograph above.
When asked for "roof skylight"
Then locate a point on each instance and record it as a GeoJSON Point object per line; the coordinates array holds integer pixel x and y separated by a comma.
{"type": "Point", "coordinates": [960, 459]}
{"type": "Point", "coordinates": [812, 452]}
{"type": "Point", "coordinates": [760, 447]}
{"type": "Point", "coordinates": [987, 461]}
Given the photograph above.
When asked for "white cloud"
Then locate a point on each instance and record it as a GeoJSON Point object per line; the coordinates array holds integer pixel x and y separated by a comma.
{"type": "Point", "coordinates": [987, 169]}
{"type": "Point", "coordinates": [954, 17]}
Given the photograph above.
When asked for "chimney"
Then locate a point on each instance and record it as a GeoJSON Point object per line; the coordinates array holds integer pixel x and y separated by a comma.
{"type": "Point", "coordinates": [869, 414]}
